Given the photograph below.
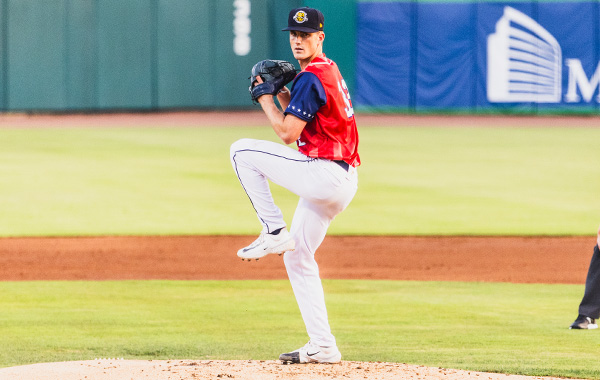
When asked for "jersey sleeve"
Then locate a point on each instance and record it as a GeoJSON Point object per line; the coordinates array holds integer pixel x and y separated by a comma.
{"type": "Point", "coordinates": [308, 95]}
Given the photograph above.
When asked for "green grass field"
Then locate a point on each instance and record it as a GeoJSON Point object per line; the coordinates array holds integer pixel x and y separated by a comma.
{"type": "Point", "coordinates": [426, 181]}
{"type": "Point", "coordinates": [510, 328]}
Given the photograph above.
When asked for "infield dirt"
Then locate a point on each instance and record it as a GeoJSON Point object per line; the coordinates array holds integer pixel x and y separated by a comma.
{"type": "Point", "coordinates": [496, 259]}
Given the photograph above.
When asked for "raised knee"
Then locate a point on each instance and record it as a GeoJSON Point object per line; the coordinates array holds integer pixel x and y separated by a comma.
{"type": "Point", "coordinates": [240, 145]}
{"type": "Point", "coordinates": [237, 146]}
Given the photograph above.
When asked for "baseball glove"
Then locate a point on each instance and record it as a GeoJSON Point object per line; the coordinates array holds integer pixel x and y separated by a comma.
{"type": "Point", "coordinates": [274, 73]}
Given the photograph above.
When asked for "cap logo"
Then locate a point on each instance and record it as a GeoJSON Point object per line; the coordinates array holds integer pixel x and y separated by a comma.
{"type": "Point", "coordinates": [300, 17]}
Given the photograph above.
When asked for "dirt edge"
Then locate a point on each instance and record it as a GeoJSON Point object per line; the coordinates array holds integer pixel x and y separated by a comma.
{"type": "Point", "coordinates": [111, 369]}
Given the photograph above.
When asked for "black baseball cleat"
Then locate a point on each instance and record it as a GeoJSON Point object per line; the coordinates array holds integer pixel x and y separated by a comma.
{"type": "Point", "coordinates": [312, 353]}
{"type": "Point", "coordinates": [290, 357]}
{"type": "Point", "coordinates": [584, 323]}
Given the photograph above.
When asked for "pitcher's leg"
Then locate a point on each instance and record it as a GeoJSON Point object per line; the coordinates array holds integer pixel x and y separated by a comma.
{"type": "Point", "coordinates": [255, 162]}
{"type": "Point", "coordinates": [309, 227]}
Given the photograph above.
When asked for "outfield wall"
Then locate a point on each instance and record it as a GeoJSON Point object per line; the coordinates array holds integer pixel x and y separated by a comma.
{"type": "Point", "coordinates": [469, 56]}
{"type": "Point", "coordinates": [65, 55]}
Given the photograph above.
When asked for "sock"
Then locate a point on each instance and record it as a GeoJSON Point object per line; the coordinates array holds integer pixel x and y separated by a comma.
{"type": "Point", "coordinates": [276, 232]}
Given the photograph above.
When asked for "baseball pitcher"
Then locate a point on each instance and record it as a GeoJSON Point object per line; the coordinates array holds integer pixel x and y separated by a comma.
{"type": "Point", "coordinates": [317, 114]}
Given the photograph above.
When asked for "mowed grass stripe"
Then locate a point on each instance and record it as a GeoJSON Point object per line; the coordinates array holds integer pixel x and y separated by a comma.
{"type": "Point", "coordinates": [498, 327]}
{"type": "Point", "coordinates": [413, 181]}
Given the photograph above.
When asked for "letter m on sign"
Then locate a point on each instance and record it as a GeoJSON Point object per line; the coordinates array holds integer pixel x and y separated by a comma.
{"type": "Point", "coordinates": [578, 79]}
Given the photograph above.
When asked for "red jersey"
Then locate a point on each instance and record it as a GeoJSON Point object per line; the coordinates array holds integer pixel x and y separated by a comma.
{"type": "Point", "coordinates": [331, 131]}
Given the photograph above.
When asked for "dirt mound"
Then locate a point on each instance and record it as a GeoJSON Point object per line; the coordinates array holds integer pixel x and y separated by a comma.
{"type": "Point", "coordinates": [111, 369]}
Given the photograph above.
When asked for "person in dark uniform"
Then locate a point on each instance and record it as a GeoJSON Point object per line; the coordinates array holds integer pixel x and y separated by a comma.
{"type": "Point", "coordinates": [589, 308]}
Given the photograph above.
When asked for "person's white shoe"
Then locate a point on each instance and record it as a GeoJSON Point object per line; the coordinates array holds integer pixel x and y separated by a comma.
{"type": "Point", "coordinates": [312, 353]}
{"type": "Point", "coordinates": [267, 244]}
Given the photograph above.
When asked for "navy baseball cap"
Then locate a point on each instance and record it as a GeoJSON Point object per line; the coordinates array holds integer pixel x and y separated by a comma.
{"type": "Point", "coordinates": [305, 19]}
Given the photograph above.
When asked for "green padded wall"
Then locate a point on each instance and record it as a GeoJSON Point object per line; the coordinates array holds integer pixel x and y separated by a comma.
{"type": "Point", "coordinates": [185, 53]}
{"type": "Point", "coordinates": [125, 53]}
{"type": "Point", "coordinates": [80, 55]}
{"type": "Point", "coordinates": [231, 77]}
{"type": "Point", "coordinates": [35, 53]}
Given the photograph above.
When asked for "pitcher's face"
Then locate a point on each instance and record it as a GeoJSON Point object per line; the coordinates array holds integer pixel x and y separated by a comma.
{"type": "Point", "coordinates": [306, 46]}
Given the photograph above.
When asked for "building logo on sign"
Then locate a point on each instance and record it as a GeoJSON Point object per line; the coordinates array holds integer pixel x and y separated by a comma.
{"type": "Point", "coordinates": [524, 64]}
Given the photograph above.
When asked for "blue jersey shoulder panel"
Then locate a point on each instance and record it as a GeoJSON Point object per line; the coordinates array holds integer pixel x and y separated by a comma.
{"type": "Point", "coordinates": [308, 95]}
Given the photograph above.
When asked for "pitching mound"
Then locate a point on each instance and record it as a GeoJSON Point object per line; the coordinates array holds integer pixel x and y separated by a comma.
{"type": "Point", "coordinates": [111, 369]}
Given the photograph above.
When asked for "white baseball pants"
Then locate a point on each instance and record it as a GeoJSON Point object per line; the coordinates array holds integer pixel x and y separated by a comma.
{"type": "Point", "coordinates": [324, 188]}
